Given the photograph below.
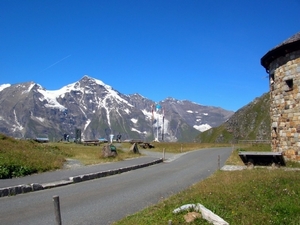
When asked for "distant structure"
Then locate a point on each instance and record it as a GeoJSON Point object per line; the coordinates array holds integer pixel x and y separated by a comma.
{"type": "Point", "coordinates": [282, 63]}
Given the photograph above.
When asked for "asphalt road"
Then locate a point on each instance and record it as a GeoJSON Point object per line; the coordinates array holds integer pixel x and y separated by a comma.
{"type": "Point", "coordinates": [105, 200]}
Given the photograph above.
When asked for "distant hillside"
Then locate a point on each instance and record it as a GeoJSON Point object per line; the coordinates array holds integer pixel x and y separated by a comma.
{"type": "Point", "coordinates": [252, 122]}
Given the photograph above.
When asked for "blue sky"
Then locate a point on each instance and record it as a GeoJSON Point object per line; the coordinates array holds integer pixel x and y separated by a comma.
{"type": "Point", "coordinates": [204, 51]}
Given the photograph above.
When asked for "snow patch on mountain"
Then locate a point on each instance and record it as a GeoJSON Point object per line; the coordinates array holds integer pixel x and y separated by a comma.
{"type": "Point", "coordinates": [112, 93]}
{"type": "Point", "coordinates": [50, 97]}
{"type": "Point", "coordinates": [40, 119]}
{"type": "Point", "coordinates": [3, 86]}
{"type": "Point", "coordinates": [99, 82]}
{"type": "Point", "coordinates": [147, 114]}
{"type": "Point", "coordinates": [134, 120]}
{"type": "Point", "coordinates": [28, 89]}
{"type": "Point", "coordinates": [202, 127]}
{"type": "Point", "coordinates": [133, 129]}
{"type": "Point", "coordinates": [18, 126]}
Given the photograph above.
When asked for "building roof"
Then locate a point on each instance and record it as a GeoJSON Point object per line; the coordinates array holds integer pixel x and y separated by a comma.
{"type": "Point", "coordinates": [290, 45]}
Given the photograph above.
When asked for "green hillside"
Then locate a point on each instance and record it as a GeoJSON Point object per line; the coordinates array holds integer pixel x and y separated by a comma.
{"type": "Point", "coordinates": [252, 122]}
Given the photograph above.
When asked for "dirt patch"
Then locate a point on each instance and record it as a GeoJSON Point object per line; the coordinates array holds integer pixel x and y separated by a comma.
{"type": "Point", "coordinates": [72, 163]}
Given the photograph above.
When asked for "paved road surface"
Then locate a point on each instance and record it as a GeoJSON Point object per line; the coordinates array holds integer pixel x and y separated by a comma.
{"type": "Point", "coordinates": [105, 200]}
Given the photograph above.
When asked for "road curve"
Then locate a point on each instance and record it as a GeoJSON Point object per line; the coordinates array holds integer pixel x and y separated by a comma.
{"type": "Point", "coordinates": [105, 200]}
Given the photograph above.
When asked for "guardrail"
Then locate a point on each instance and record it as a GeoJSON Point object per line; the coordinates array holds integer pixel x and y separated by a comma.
{"type": "Point", "coordinates": [254, 141]}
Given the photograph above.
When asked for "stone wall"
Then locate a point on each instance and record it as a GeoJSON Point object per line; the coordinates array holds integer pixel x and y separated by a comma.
{"type": "Point", "coordinates": [284, 74]}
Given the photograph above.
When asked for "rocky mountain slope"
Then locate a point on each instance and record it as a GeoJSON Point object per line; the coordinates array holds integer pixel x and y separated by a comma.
{"type": "Point", "coordinates": [252, 122]}
{"type": "Point", "coordinates": [27, 110]}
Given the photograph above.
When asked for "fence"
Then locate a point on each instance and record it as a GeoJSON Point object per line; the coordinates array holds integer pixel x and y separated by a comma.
{"type": "Point", "coordinates": [254, 142]}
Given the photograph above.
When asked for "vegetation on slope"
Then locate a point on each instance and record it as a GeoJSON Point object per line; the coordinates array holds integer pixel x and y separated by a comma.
{"type": "Point", "coordinates": [252, 122]}
{"type": "Point", "coordinates": [23, 157]}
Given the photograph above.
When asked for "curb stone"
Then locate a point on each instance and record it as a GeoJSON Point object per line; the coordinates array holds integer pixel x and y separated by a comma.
{"type": "Point", "coordinates": [25, 188]}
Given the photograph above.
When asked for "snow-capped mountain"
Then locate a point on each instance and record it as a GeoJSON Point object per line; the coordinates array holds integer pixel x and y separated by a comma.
{"type": "Point", "coordinates": [27, 110]}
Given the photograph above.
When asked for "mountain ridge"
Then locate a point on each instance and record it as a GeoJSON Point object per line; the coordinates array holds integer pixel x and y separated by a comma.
{"type": "Point", "coordinates": [28, 110]}
{"type": "Point", "coordinates": [251, 122]}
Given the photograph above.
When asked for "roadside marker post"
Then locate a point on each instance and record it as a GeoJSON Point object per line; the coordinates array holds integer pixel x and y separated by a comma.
{"type": "Point", "coordinates": [57, 210]}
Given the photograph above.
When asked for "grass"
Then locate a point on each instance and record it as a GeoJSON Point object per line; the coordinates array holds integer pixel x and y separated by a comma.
{"type": "Point", "coordinates": [24, 157]}
{"type": "Point", "coordinates": [247, 197]}
{"type": "Point", "coordinates": [20, 157]}
{"type": "Point", "coordinates": [89, 155]}
{"type": "Point", "coordinates": [234, 158]}
{"type": "Point", "coordinates": [184, 147]}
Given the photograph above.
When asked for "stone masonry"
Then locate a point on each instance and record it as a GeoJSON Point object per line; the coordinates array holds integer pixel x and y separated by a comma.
{"type": "Point", "coordinates": [283, 66]}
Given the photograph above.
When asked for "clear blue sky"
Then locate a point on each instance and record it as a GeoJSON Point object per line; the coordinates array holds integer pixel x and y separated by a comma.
{"type": "Point", "coordinates": [204, 51]}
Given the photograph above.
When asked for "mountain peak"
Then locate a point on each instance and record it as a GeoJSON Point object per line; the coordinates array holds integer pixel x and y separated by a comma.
{"type": "Point", "coordinates": [93, 81]}
{"type": "Point", "coordinates": [98, 111]}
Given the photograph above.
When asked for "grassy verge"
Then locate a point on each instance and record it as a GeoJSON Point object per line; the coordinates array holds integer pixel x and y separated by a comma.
{"type": "Point", "coordinates": [20, 158]}
{"type": "Point", "coordinates": [24, 157]}
{"type": "Point", "coordinates": [88, 155]}
{"type": "Point", "coordinates": [184, 147]}
{"type": "Point", "coordinates": [247, 197]}
{"type": "Point", "coordinates": [234, 158]}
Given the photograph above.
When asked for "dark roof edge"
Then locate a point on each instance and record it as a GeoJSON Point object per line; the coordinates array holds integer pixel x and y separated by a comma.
{"type": "Point", "coordinates": [281, 50]}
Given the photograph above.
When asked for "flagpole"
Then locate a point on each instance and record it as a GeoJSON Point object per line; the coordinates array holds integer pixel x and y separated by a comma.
{"type": "Point", "coordinates": [156, 126]}
{"type": "Point", "coordinates": [163, 121]}
{"type": "Point", "coordinates": [152, 118]}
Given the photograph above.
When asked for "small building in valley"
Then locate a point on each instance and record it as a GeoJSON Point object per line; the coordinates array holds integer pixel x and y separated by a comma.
{"type": "Point", "coordinates": [282, 63]}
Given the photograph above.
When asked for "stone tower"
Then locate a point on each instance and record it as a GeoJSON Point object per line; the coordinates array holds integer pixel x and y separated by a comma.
{"type": "Point", "coordinates": [282, 63]}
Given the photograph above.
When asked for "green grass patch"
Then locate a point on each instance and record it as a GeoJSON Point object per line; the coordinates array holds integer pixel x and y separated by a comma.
{"type": "Point", "coordinates": [20, 158]}
{"type": "Point", "coordinates": [89, 155]}
{"type": "Point", "coordinates": [184, 147]}
{"type": "Point", "coordinates": [235, 159]}
{"type": "Point", "coordinates": [247, 197]}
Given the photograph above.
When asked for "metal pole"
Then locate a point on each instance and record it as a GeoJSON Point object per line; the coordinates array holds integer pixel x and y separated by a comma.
{"type": "Point", "coordinates": [157, 126]}
{"type": "Point", "coordinates": [163, 121]}
{"type": "Point", "coordinates": [218, 161]}
{"type": "Point", "coordinates": [57, 210]}
{"type": "Point", "coordinates": [163, 154]}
